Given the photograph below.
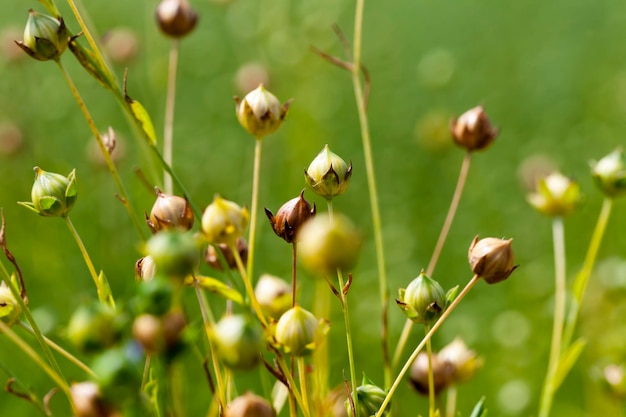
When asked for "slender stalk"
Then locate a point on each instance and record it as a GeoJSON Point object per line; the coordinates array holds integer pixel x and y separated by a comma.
{"type": "Point", "coordinates": [254, 207]}
{"type": "Point", "coordinates": [420, 346]}
{"type": "Point", "coordinates": [292, 384]}
{"type": "Point", "coordinates": [580, 282]}
{"type": "Point", "coordinates": [321, 308]}
{"type": "Point", "coordinates": [124, 198]}
{"type": "Point", "coordinates": [54, 375]}
{"type": "Point", "coordinates": [547, 394]}
{"type": "Point", "coordinates": [168, 131]}
{"type": "Point", "coordinates": [443, 234]}
{"type": "Point", "coordinates": [60, 350]}
{"type": "Point", "coordinates": [451, 401]}
{"type": "Point", "coordinates": [303, 385]}
{"type": "Point", "coordinates": [346, 318]}
{"type": "Point", "coordinates": [294, 254]}
{"type": "Point", "coordinates": [431, 376]}
{"type": "Point", "coordinates": [371, 182]}
{"type": "Point", "coordinates": [246, 280]}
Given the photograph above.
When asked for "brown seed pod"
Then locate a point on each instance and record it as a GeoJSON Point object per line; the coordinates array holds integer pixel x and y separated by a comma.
{"type": "Point", "coordinates": [290, 217]}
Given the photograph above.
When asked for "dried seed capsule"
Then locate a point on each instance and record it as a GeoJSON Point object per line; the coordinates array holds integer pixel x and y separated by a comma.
{"type": "Point", "coordinates": [88, 401]}
{"type": "Point", "coordinates": [472, 130]}
{"type": "Point", "coordinates": [10, 308]}
{"type": "Point", "coordinates": [464, 361]}
{"type": "Point", "coordinates": [260, 112]}
{"type": "Point", "coordinates": [224, 221]}
{"type": "Point", "coordinates": [53, 195]}
{"type": "Point", "coordinates": [170, 212]}
{"type": "Point", "coordinates": [556, 195]}
{"type": "Point", "coordinates": [297, 331]}
{"type": "Point", "coordinates": [442, 372]}
{"type": "Point", "coordinates": [176, 18]}
{"type": "Point", "coordinates": [491, 259]}
{"type": "Point", "coordinates": [610, 173]}
{"type": "Point", "coordinates": [250, 405]}
{"type": "Point", "coordinates": [239, 342]}
{"type": "Point", "coordinates": [328, 174]}
{"type": "Point", "coordinates": [45, 37]}
{"type": "Point", "coordinates": [423, 300]}
{"type": "Point", "coordinates": [145, 269]}
{"type": "Point", "coordinates": [212, 258]}
{"type": "Point", "coordinates": [159, 334]}
{"type": "Point", "coordinates": [290, 217]}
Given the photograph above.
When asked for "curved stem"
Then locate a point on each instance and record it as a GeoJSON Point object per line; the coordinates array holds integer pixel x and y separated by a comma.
{"type": "Point", "coordinates": [254, 207]}
{"type": "Point", "coordinates": [454, 204]}
{"type": "Point", "coordinates": [168, 130]}
{"type": "Point", "coordinates": [420, 346]}
{"type": "Point", "coordinates": [580, 282]}
{"type": "Point", "coordinates": [246, 280]}
{"type": "Point", "coordinates": [431, 376]}
{"type": "Point", "coordinates": [549, 388]}
{"type": "Point", "coordinates": [293, 389]}
{"type": "Point", "coordinates": [123, 195]}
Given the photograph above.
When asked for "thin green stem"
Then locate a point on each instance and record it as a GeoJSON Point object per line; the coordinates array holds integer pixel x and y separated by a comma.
{"type": "Point", "coordinates": [54, 375]}
{"type": "Point", "coordinates": [254, 207]}
{"type": "Point", "coordinates": [321, 308]}
{"type": "Point", "coordinates": [123, 195]}
{"type": "Point", "coordinates": [294, 257]}
{"type": "Point", "coordinates": [346, 318]}
{"type": "Point", "coordinates": [168, 131]}
{"type": "Point", "coordinates": [246, 280]}
{"type": "Point", "coordinates": [420, 346]}
{"type": "Point", "coordinates": [292, 384]}
{"type": "Point", "coordinates": [90, 39]}
{"type": "Point", "coordinates": [303, 385]}
{"type": "Point", "coordinates": [431, 376]}
{"type": "Point", "coordinates": [371, 182]}
{"type": "Point", "coordinates": [549, 387]}
{"type": "Point", "coordinates": [451, 396]}
{"type": "Point", "coordinates": [582, 278]}
{"type": "Point", "coordinates": [443, 234]}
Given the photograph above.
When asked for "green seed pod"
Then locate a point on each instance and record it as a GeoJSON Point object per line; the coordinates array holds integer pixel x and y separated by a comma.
{"type": "Point", "coordinates": [154, 297]}
{"type": "Point", "coordinates": [119, 372]}
{"type": "Point", "coordinates": [609, 173]}
{"type": "Point", "coordinates": [556, 195]}
{"type": "Point", "coordinates": [290, 217]}
{"type": "Point", "coordinates": [423, 301]}
{"type": "Point", "coordinates": [273, 295]}
{"type": "Point", "coordinates": [53, 195]}
{"type": "Point", "coordinates": [45, 37]}
{"type": "Point", "coordinates": [370, 398]}
{"type": "Point", "coordinates": [491, 259]}
{"type": "Point", "coordinates": [224, 221]}
{"type": "Point", "coordinates": [260, 112]}
{"type": "Point", "coordinates": [250, 405]}
{"type": "Point", "coordinates": [176, 18]}
{"type": "Point", "coordinates": [94, 327]}
{"type": "Point", "coordinates": [297, 331]}
{"type": "Point", "coordinates": [175, 253]}
{"type": "Point", "coordinates": [10, 308]}
{"type": "Point", "coordinates": [170, 212]}
{"type": "Point", "coordinates": [328, 175]}
{"type": "Point", "coordinates": [327, 245]}
{"type": "Point", "coordinates": [239, 342]}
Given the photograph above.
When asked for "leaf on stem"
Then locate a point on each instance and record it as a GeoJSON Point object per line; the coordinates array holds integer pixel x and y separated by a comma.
{"type": "Point", "coordinates": [218, 287]}
{"type": "Point", "coordinates": [479, 409]}
{"type": "Point", "coordinates": [90, 62]}
{"type": "Point", "coordinates": [568, 359]}
{"type": "Point", "coordinates": [141, 115]}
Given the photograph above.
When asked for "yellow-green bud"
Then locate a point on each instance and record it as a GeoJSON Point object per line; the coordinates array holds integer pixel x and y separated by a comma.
{"type": "Point", "coordinates": [464, 361]}
{"type": "Point", "coordinates": [45, 37]}
{"type": "Point", "coordinates": [328, 175]}
{"type": "Point", "coordinates": [370, 398]}
{"type": "Point", "coordinates": [94, 327]}
{"type": "Point", "coordinates": [290, 217]}
{"type": "Point", "coordinates": [610, 173]}
{"type": "Point", "coordinates": [327, 245]}
{"type": "Point", "coordinates": [239, 342]}
{"type": "Point", "coordinates": [176, 254]}
{"type": "Point", "coordinates": [472, 130]}
{"type": "Point", "coordinates": [250, 405]}
{"type": "Point", "coordinates": [297, 331]}
{"type": "Point", "coordinates": [273, 295]}
{"type": "Point", "coordinates": [170, 212]}
{"type": "Point", "coordinates": [53, 195]}
{"type": "Point", "coordinates": [10, 308]}
{"type": "Point", "coordinates": [224, 221]}
{"type": "Point", "coordinates": [491, 259]}
{"type": "Point", "coordinates": [423, 300]}
{"type": "Point", "coordinates": [260, 112]}
{"type": "Point", "coordinates": [556, 195]}
{"type": "Point", "coordinates": [176, 18]}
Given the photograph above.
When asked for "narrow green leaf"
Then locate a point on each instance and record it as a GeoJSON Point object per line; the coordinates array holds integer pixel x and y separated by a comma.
{"type": "Point", "coordinates": [479, 409]}
{"type": "Point", "coordinates": [218, 287]}
{"type": "Point", "coordinates": [143, 118]}
{"type": "Point", "coordinates": [95, 67]}
{"type": "Point", "coordinates": [568, 359]}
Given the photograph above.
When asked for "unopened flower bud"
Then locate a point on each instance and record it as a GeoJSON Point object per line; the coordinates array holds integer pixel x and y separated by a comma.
{"type": "Point", "coordinates": [472, 130]}
{"type": "Point", "coordinates": [154, 297]}
{"type": "Point", "coordinates": [175, 253]}
{"type": "Point", "coordinates": [10, 308]}
{"type": "Point", "coordinates": [328, 174]}
{"type": "Point", "coordinates": [556, 195]}
{"type": "Point", "coordinates": [465, 362]}
{"type": "Point", "coordinates": [145, 269]}
{"type": "Point", "coordinates": [290, 217]}
{"type": "Point", "coordinates": [610, 173]}
{"type": "Point", "coordinates": [88, 401]}
{"type": "Point", "coordinates": [260, 112]}
{"type": "Point", "coordinates": [423, 300]}
{"type": "Point", "coordinates": [212, 258]}
{"type": "Point", "coordinates": [53, 195]}
{"type": "Point", "coordinates": [224, 221]}
{"type": "Point", "coordinates": [370, 398]}
{"type": "Point", "coordinates": [94, 327]}
{"type": "Point", "coordinates": [239, 342]}
{"type": "Point", "coordinates": [491, 259]}
{"type": "Point", "coordinates": [170, 212]}
{"type": "Point", "coordinates": [250, 405]}
{"type": "Point", "coordinates": [273, 295]}
{"type": "Point", "coordinates": [119, 372]}
{"type": "Point", "coordinates": [297, 331]}
{"type": "Point", "coordinates": [176, 18]}
{"type": "Point", "coordinates": [45, 37]}
{"type": "Point", "coordinates": [327, 245]}
{"type": "Point", "coordinates": [442, 373]}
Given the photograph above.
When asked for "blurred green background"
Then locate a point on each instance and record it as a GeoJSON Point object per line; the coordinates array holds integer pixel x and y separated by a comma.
{"type": "Point", "coordinates": [551, 75]}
